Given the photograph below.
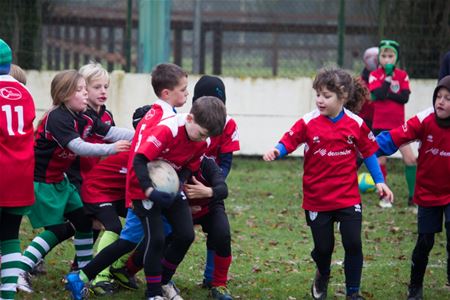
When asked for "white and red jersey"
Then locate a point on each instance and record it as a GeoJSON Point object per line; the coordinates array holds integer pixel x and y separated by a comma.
{"type": "Point", "coordinates": [433, 163]}
{"type": "Point", "coordinates": [17, 113]}
{"type": "Point", "coordinates": [169, 141]}
{"type": "Point", "coordinates": [227, 142]}
{"type": "Point", "coordinates": [387, 113]}
{"type": "Point", "coordinates": [107, 180]}
{"type": "Point", "coordinates": [160, 110]}
{"type": "Point", "coordinates": [330, 177]}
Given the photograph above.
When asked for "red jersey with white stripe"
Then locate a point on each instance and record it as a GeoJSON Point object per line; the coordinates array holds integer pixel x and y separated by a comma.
{"type": "Point", "coordinates": [433, 163]}
{"type": "Point", "coordinates": [227, 142]}
{"type": "Point", "coordinates": [169, 141]}
{"type": "Point", "coordinates": [17, 113]}
{"type": "Point", "coordinates": [107, 179]}
{"type": "Point", "coordinates": [387, 113]}
{"type": "Point", "coordinates": [330, 175]}
{"type": "Point", "coordinates": [160, 110]}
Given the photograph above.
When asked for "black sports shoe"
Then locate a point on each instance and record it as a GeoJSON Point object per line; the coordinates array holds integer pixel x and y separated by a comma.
{"type": "Point", "coordinates": [355, 296]}
{"type": "Point", "coordinates": [102, 288]}
{"type": "Point", "coordinates": [320, 286]}
{"type": "Point", "coordinates": [123, 278]}
{"type": "Point", "coordinates": [415, 292]}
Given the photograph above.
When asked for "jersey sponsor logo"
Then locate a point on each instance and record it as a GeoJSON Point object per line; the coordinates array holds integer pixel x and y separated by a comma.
{"type": "Point", "coordinates": [436, 151]}
{"type": "Point", "coordinates": [313, 215]}
{"type": "Point", "coordinates": [10, 93]}
{"type": "Point", "coordinates": [324, 152]}
{"type": "Point", "coordinates": [152, 139]}
{"type": "Point", "coordinates": [66, 154]}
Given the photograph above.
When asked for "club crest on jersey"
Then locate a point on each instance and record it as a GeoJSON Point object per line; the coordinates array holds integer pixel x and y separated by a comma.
{"type": "Point", "coordinates": [149, 114]}
{"type": "Point", "coordinates": [395, 86]}
{"type": "Point", "coordinates": [313, 215]}
{"type": "Point", "coordinates": [316, 139]}
{"type": "Point", "coordinates": [350, 139]}
{"type": "Point", "coordinates": [87, 131]}
{"type": "Point", "coordinates": [10, 93]}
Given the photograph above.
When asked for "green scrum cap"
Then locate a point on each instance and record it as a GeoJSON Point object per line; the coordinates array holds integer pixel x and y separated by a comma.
{"type": "Point", "coordinates": [5, 57]}
{"type": "Point", "coordinates": [390, 44]}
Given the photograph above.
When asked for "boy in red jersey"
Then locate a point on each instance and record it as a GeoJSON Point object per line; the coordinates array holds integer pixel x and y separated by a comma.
{"type": "Point", "coordinates": [181, 141]}
{"type": "Point", "coordinates": [17, 161]}
{"type": "Point", "coordinates": [431, 128]}
{"type": "Point", "coordinates": [389, 87]}
{"type": "Point", "coordinates": [333, 136]}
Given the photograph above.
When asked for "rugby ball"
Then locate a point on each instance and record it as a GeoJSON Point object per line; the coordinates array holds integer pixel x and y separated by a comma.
{"type": "Point", "coordinates": [163, 176]}
{"type": "Point", "coordinates": [366, 183]}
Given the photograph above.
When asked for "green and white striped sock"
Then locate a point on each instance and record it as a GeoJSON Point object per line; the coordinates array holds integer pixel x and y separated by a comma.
{"type": "Point", "coordinates": [10, 267]}
{"type": "Point", "coordinates": [84, 243]}
{"type": "Point", "coordinates": [39, 247]}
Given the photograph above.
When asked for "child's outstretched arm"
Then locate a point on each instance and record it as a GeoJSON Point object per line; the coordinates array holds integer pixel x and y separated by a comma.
{"type": "Point", "coordinates": [83, 148]}
{"type": "Point", "coordinates": [373, 166]}
{"type": "Point", "coordinates": [278, 152]}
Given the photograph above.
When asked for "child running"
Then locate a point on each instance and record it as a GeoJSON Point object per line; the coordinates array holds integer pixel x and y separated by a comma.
{"type": "Point", "coordinates": [17, 161]}
{"type": "Point", "coordinates": [333, 136]}
{"type": "Point", "coordinates": [60, 138]}
{"type": "Point", "coordinates": [431, 128]}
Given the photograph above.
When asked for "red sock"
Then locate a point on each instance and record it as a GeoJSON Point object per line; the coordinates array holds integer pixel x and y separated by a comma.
{"type": "Point", "coordinates": [131, 267]}
{"type": "Point", "coordinates": [221, 267]}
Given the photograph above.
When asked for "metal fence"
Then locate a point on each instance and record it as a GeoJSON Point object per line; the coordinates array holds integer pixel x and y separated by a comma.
{"type": "Point", "coordinates": [285, 38]}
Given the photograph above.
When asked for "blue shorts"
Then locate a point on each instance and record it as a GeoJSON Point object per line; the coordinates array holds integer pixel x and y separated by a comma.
{"type": "Point", "coordinates": [429, 219]}
{"type": "Point", "coordinates": [132, 230]}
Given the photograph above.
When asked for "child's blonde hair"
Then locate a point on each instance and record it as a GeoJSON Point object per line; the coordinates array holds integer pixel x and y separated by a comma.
{"type": "Point", "coordinates": [347, 88]}
{"type": "Point", "coordinates": [93, 71]}
{"type": "Point", "coordinates": [18, 73]}
{"type": "Point", "coordinates": [63, 85]}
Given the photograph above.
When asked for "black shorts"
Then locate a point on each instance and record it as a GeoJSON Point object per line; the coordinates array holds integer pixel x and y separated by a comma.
{"type": "Point", "coordinates": [429, 219]}
{"type": "Point", "coordinates": [319, 219]}
{"type": "Point", "coordinates": [94, 209]}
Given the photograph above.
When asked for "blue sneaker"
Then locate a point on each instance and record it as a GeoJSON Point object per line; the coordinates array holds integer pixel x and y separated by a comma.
{"type": "Point", "coordinates": [78, 289]}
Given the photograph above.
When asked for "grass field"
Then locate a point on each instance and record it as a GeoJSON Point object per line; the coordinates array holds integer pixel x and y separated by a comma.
{"type": "Point", "coordinates": [272, 244]}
